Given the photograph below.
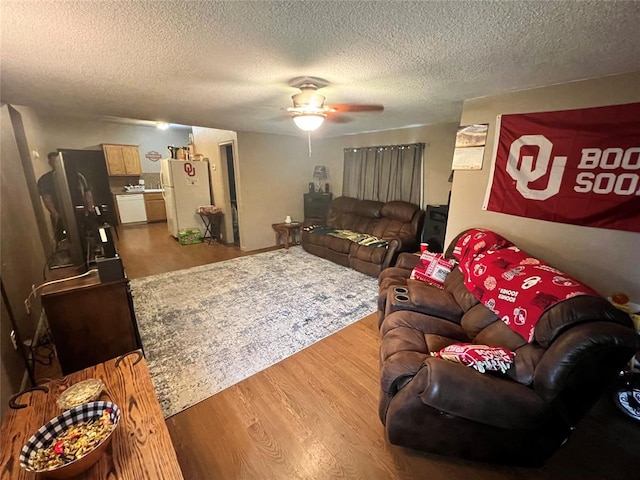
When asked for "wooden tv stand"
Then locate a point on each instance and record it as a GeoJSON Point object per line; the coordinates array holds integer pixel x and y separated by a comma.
{"type": "Point", "coordinates": [90, 321]}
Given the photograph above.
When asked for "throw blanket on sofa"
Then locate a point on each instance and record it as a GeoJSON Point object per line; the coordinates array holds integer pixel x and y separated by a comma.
{"type": "Point", "coordinates": [359, 238]}
{"type": "Point", "coordinates": [511, 283]}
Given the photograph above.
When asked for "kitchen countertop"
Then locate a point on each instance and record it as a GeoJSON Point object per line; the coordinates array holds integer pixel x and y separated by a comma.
{"type": "Point", "coordinates": [148, 190]}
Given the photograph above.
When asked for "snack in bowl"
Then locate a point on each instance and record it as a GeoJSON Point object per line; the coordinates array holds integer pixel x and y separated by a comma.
{"type": "Point", "coordinates": [79, 393]}
{"type": "Point", "coordinates": [72, 442]}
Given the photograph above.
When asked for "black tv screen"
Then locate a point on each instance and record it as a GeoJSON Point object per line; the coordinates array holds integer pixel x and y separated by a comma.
{"type": "Point", "coordinates": [82, 183]}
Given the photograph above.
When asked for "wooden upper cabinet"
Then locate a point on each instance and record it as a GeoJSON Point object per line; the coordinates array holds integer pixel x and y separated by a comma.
{"type": "Point", "coordinates": [122, 159]}
{"type": "Point", "coordinates": [131, 159]}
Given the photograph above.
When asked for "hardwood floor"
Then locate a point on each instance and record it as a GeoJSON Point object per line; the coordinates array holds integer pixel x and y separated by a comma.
{"type": "Point", "coordinates": [145, 250]}
{"type": "Point", "coordinates": [149, 250]}
{"type": "Point", "coordinates": [314, 416]}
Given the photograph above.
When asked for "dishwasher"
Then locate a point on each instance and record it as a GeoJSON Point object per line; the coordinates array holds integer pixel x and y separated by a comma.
{"type": "Point", "coordinates": [131, 208]}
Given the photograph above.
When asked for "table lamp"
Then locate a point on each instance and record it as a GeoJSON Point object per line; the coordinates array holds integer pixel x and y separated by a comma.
{"type": "Point", "coordinates": [320, 174]}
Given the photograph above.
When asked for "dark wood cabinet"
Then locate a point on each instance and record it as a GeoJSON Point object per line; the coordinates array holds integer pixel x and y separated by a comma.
{"type": "Point", "coordinates": [316, 207]}
{"type": "Point", "coordinates": [90, 321]}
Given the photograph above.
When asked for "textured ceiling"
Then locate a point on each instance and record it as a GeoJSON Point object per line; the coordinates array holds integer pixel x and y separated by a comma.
{"type": "Point", "coordinates": [227, 64]}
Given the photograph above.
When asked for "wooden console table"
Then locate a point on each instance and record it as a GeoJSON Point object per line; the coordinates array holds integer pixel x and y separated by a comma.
{"type": "Point", "coordinates": [90, 321]}
{"type": "Point", "coordinates": [141, 447]}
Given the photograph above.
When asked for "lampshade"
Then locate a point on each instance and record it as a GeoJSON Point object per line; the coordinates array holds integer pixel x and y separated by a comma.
{"type": "Point", "coordinates": [320, 172]}
{"type": "Point", "coordinates": [308, 122]}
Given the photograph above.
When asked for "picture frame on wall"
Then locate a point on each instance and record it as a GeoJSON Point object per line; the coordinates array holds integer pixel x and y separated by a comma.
{"type": "Point", "coordinates": [469, 151]}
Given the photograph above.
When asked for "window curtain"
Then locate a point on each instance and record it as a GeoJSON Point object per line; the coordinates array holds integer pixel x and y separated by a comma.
{"type": "Point", "coordinates": [384, 173]}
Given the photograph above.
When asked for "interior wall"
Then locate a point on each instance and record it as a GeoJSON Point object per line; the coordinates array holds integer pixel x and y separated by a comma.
{"type": "Point", "coordinates": [57, 130]}
{"type": "Point", "coordinates": [607, 260]}
{"type": "Point", "coordinates": [439, 140]}
{"type": "Point", "coordinates": [207, 142]}
{"type": "Point", "coordinates": [12, 369]}
{"type": "Point", "coordinates": [272, 175]}
{"type": "Point", "coordinates": [22, 254]}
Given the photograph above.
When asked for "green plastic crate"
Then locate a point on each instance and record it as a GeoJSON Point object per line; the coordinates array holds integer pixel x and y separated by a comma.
{"type": "Point", "coordinates": [189, 236]}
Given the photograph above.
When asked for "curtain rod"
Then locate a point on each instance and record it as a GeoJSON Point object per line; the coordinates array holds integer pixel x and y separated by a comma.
{"type": "Point", "coordinates": [386, 146]}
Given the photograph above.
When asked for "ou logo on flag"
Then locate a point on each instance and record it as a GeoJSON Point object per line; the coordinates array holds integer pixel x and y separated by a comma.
{"type": "Point", "coordinates": [526, 174]}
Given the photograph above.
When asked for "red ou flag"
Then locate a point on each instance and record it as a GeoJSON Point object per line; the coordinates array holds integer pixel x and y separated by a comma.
{"type": "Point", "coordinates": [575, 166]}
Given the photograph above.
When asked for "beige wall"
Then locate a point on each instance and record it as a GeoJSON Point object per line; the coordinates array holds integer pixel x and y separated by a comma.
{"type": "Point", "coordinates": [274, 171]}
{"type": "Point", "coordinates": [207, 142]}
{"type": "Point", "coordinates": [607, 260]}
{"type": "Point", "coordinates": [12, 370]}
{"type": "Point", "coordinates": [51, 131]}
{"type": "Point", "coordinates": [439, 140]}
{"type": "Point", "coordinates": [272, 175]}
{"type": "Point", "coordinates": [22, 255]}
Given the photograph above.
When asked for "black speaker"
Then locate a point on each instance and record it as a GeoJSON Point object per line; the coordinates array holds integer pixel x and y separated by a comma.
{"type": "Point", "coordinates": [110, 269]}
{"type": "Point", "coordinates": [435, 226]}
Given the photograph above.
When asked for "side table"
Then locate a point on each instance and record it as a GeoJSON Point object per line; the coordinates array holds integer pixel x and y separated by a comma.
{"type": "Point", "coordinates": [290, 232]}
{"type": "Point", "coordinates": [212, 222]}
{"type": "Point", "coordinates": [141, 448]}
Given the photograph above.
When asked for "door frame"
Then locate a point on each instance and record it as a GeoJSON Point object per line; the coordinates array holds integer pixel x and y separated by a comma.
{"type": "Point", "coordinates": [228, 219]}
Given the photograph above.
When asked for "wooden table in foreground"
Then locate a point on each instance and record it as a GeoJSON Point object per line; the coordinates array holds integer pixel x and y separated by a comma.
{"type": "Point", "coordinates": [141, 447]}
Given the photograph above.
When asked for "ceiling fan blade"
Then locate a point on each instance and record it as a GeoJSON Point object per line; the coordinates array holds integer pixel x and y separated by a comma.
{"type": "Point", "coordinates": [351, 107]}
{"type": "Point", "coordinates": [339, 119]}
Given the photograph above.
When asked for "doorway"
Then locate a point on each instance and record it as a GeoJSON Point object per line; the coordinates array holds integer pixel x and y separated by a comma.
{"type": "Point", "coordinates": [227, 152]}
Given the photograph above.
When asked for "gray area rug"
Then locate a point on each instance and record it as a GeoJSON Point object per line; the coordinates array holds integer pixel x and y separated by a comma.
{"type": "Point", "coordinates": [206, 328]}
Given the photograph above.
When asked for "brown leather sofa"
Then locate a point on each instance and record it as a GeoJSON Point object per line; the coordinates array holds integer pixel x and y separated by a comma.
{"type": "Point", "coordinates": [398, 223]}
{"type": "Point", "coordinates": [520, 418]}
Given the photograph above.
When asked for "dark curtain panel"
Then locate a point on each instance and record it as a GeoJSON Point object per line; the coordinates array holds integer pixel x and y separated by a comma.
{"type": "Point", "coordinates": [384, 173]}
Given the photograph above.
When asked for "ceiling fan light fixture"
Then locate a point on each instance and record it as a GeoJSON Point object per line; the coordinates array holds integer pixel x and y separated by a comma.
{"type": "Point", "coordinates": [308, 99]}
{"type": "Point", "coordinates": [308, 122]}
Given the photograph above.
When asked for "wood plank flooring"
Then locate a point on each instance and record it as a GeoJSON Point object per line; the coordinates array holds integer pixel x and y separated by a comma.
{"type": "Point", "coordinates": [149, 249]}
{"type": "Point", "coordinates": [314, 416]}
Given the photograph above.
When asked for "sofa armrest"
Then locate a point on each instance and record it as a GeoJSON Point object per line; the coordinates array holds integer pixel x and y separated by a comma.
{"type": "Point", "coordinates": [398, 245]}
{"type": "Point", "coordinates": [433, 301]}
{"type": "Point", "coordinates": [407, 261]}
{"type": "Point", "coordinates": [580, 364]}
{"type": "Point", "coordinates": [458, 390]}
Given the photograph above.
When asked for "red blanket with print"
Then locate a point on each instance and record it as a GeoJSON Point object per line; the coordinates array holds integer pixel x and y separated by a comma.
{"type": "Point", "coordinates": [511, 283]}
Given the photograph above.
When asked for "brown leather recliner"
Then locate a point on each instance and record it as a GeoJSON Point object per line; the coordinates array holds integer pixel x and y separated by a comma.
{"type": "Point", "coordinates": [396, 222]}
{"type": "Point", "coordinates": [521, 417]}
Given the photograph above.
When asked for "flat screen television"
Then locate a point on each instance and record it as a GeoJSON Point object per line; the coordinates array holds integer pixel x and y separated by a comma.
{"type": "Point", "coordinates": [86, 203]}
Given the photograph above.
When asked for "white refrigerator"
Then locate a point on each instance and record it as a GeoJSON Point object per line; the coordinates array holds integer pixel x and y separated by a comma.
{"type": "Point", "coordinates": [186, 187]}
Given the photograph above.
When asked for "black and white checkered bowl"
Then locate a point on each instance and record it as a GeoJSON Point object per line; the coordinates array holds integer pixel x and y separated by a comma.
{"type": "Point", "coordinates": [53, 428]}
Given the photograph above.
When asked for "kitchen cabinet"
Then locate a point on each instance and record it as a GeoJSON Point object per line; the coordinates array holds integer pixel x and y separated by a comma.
{"type": "Point", "coordinates": [131, 208]}
{"type": "Point", "coordinates": [155, 208]}
{"type": "Point", "coordinates": [122, 159]}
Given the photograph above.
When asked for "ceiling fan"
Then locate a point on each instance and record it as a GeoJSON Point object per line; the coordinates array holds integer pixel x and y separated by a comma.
{"type": "Point", "coordinates": [309, 111]}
